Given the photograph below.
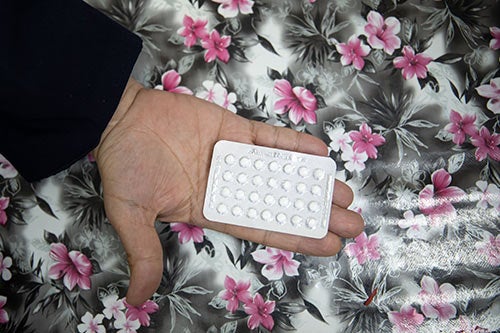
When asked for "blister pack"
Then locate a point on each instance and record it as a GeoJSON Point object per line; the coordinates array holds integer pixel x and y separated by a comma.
{"type": "Point", "coordinates": [270, 189]}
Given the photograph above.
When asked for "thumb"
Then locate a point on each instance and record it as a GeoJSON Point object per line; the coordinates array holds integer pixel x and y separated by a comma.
{"type": "Point", "coordinates": [135, 227]}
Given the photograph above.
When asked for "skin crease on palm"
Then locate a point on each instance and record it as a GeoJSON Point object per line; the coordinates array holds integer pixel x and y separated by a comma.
{"type": "Point", "coordinates": [154, 157]}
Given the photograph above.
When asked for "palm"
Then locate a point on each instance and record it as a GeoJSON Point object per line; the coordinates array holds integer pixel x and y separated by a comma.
{"type": "Point", "coordinates": [154, 164]}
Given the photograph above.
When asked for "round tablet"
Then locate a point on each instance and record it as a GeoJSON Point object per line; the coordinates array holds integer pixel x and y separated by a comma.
{"type": "Point", "coordinates": [257, 180]}
{"type": "Point", "coordinates": [271, 182]}
{"type": "Point", "coordinates": [299, 204]}
{"type": "Point", "coordinates": [266, 215]}
{"type": "Point", "coordinates": [316, 190]}
{"type": "Point", "coordinates": [319, 174]}
{"type": "Point", "coordinates": [313, 206]}
{"type": "Point", "coordinates": [296, 220]}
{"type": "Point", "coordinates": [229, 159]}
{"type": "Point", "coordinates": [258, 164]}
{"type": "Point", "coordinates": [303, 171]}
{"type": "Point", "coordinates": [245, 162]}
{"type": "Point", "coordinates": [288, 168]}
{"type": "Point", "coordinates": [240, 194]}
{"type": "Point", "coordinates": [301, 188]}
{"type": "Point", "coordinates": [269, 199]}
{"type": "Point", "coordinates": [242, 178]}
{"type": "Point", "coordinates": [225, 192]}
{"type": "Point", "coordinates": [273, 166]}
{"type": "Point", "coordinates": [286, 185]}
{"type": "Point", "coordinates": [312, 223]}
{"type": "Point", "coordinates": [253, 197]}
{"type": "Point", "coordinates": [252, 213]}
{"type": "Point", "coordinates": [237, 211]}
{"type": "Point", "coordinates": [222, 209]}
{"type": "Point", "coordinates": [281, 218]}
{"type": "Point", "coordinates": [284, 202]}
{"type": "Point", "coordinates": [227, 176]}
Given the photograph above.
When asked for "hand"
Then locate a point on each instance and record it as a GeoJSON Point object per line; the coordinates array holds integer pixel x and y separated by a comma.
{"type": "Point", "coordinates": [154, 157]}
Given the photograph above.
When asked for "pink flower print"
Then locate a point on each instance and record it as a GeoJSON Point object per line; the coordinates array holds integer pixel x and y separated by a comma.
{"type": "Point", "coordinates": [216, 93]}
{"type": "Point", "coordinates": [91, 324]}
{"type": "Point", "coordinates": [487, 145]}
{"type": "Point", "coordinates": [436, 299]}
{"type": "Point", "coordinates": [74, 267]}
{"type": "Point", "coordinates": [192, 30]}
{"type": "Point", "coordinates": [125, 324]}
{"type": "Point", "coordinates": [5, 264]}
{"type": "Point", "coordinates": [491, 91]}
{"type": "Point", "coordinates": [490, 194]}
{"type": "Point", "coordinates": [340, 139]}
{"type": "Point", "coordinates": [276, 262]}
{"type": "Point", "coordinates": [365, 141]}
{"type": "Point", "coordinates": [412, 64]}
{"type": "Point", "coordinates": [4, 316]}
{"type": "Point", "coordinates": [353, 52]}
{"type": "Point", "coordinates": [141, 312]}
{"type": "Point", "coordinates": [231, 8]}
{"type": "Point", "coordinates": [6, 169]}
{"type": "Point", "coordinates": [490, 247]}
{"type": "Point", "coordinates": [188, 232]}
{"type": "Point", "coordinates": [406, 320]}
{"type": "Point", "coordinates": [216, 46]}
{"type": "Point", "coordinates": [460, 126]}
{"type": "Point", "coordinates": [436, 200]}
{"type": "Point", "coordinates": [4, 203]}
{"type": "Point", "coordinates": [364, 248]}
{"type": "Point", "coordinates": [236, 292]}
{"type": "Point", "coordinates": [112, 306]}
{"type": "Point", "coordinates": [416, 225]}
{"type": "Point", "coordinates": [467, 327]}
{"type": "Point", "coordinates": [382, 34]}
{"type": "Point", "coordinates": [299, 102]}
{"type": "Point", "coordinates": [355, 161]}
{"type": "Point", "coordinates": [495, 42]}
{"type": "Point", "coordinates": [170, 82]}
{"type": "Point", "coordinates": [260, 313]}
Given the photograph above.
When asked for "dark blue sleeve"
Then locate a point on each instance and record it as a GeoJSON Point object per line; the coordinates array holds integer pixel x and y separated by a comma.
{"type": "Point", "coordinates": [63, 68]}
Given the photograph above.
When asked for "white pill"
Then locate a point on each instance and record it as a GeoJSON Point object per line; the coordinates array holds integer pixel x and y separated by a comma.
{"type": "Point", "coordinates": [299, 204]}
{"type": "Point", "coordinates": [229, 159]}
{"type": "Point", "coordinates": [257, 180]}
{"type": "Point", "coordinates": [245, 162]}
{"type": "Point", "coordinates": [225, 192]}
{"type": "Point", "coordinates": [242, 178]}
{"type": "Point", "coordinates": [253, 197]}
{"type": "Point", "coordinates": [271, 182]}
{"type": "Point", "coordinates": [286, 185]}
{"type": "Point", "coordinates": [240, 194]}
{"type": "Point", "coordinates": [227, 176]}
{"type": "Point", "coordinates": [303, 171]}
{"type": "Point", "coordinates": [288, 168]}
{"type": "Point", "coordinates": [258, 164]}
{"type": "Point", "coordinates": [281, 218]}
{"type": "Point", "coordinates": [319, 174]}
{"type": "Point", "coordinates": [237, 211]}
{"type": "Point", "coordinates": [266, 215]}
{"type": "Point", "coordinates": [273, 166]}
{"type": "Point", "coordinates": [284, 202]}
{"type": "Point", "coordinates": [252, 213]}
{"type": "Point", "coordinates": [296, 220]}
{"type": "Point", "coordinates": [301, 188]}
{"type": "Point", "coordinates": [312, 223]}
{"type": "Point", "coordinates": [313, 206]}
{"type": "Point", "coordinates": [316, 190]}
{"type": "Point", "coordinates": [269, 199]}
{"type": "Point", "coordinates": [222, 209]}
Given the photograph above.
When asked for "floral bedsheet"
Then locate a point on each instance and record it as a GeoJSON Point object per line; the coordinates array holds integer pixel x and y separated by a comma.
{"type": "Point", "coordinates": [406, 93]}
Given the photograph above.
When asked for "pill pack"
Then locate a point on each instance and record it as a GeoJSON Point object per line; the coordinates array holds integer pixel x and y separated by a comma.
{"type": "Point", "coordinates": [270, 189]}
